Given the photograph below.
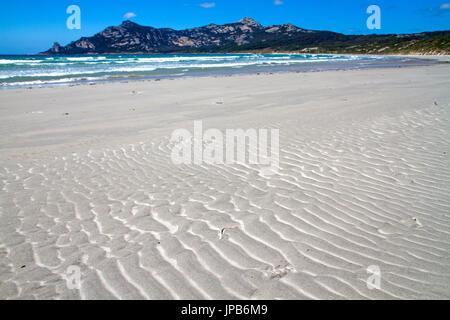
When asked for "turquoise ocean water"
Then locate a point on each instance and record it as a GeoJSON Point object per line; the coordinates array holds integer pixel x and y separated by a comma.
{"type": "Point", "coordinates": [31, 71]}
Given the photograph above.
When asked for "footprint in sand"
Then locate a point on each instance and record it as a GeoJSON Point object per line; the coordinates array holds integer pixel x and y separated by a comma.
{"type": "Point", "coordinates": [388, 228]}
{"type": "Point", "coordinates": [411, 223]}
{"type": "Point", "coordinates": [403, 179]}
{"type": "Point", "coordinates": [278, 272]}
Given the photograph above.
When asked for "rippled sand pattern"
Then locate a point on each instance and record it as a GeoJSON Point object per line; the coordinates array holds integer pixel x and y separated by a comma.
{"type": "Point", "coordinates": [372, 193]}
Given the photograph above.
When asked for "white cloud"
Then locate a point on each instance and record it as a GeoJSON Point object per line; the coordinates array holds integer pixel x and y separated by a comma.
{"type": "Point", "coordinates": [208, 5]}
{"type": "Point", "coordinates": [129, 15]}
{"type": "Point", "coordinates": [445, 6]}
{"type": "Point", "coordinates": [278, 2]}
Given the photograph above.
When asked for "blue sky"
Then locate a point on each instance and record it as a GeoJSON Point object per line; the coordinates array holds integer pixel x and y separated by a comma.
{"type": "Point", "coordinates": [32, 26]}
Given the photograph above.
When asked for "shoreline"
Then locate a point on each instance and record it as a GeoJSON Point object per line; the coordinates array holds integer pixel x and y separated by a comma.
{"type": "Point", "coordinates": [293, 68]}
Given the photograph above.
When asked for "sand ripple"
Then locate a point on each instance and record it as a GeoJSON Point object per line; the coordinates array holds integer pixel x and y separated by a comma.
{"type": "Point", "coordinates": [370, 193]}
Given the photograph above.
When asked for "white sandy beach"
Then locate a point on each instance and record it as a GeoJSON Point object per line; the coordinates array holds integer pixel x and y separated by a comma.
{"type": "Point", "coordinates": [87, 180]}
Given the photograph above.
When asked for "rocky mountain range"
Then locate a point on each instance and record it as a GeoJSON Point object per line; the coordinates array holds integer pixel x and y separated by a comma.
{"type": "Point", "coordinates": [247, 35]}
